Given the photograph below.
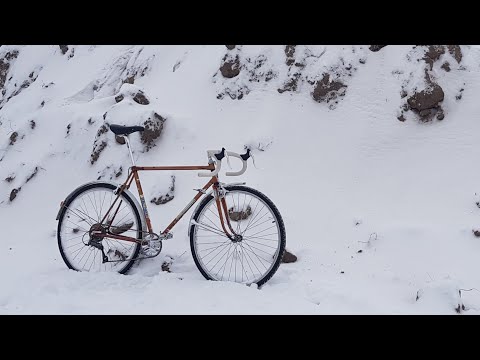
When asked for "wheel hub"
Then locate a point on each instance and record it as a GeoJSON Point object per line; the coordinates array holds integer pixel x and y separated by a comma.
{"type": "Point", "coordinates": [237, 238]}
{"type": "Point", "coordinates": [97, 232]}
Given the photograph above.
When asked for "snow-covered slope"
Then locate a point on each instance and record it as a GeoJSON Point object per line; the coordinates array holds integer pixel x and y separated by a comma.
{"type": "Point", "coordinates": [380, 212]}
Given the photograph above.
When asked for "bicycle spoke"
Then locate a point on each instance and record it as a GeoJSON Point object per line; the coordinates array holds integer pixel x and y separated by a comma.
{"type": "Point", "coordinates": [256, 223]}
{"type": "Point", "coordinates": [226, 243]}
{"type": "Point", "coordinates": [259, 249]}
{"type": "Point", "coordinates": [227, 248]}
{"type": "Point", "coordinates": [226, 261]}
{"type": "Point", "coordinates": [210, 229]}
{"type": "Point", "coordinates": [274, 226]}
{"type": "Point", "coordinates": [258, 257]}
{"type": "Point", "coordinates": [94, 208]}
{"type": "Point", "coordinates": [255, 219]}
{"type": "Point", "coordinates": [253, 212]}
{"type": "Point", "coordinates": [262, 238]}
{"type": "Point", "coordinates": [253, 262]}
{"type": "Point", "coordinates": [255, 242]}
{"type": "Point", "coordinates": [80, 217]}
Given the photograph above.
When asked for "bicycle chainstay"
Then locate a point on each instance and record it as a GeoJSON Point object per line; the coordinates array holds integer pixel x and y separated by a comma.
{"type": "Point", "coordinates": [155, 237]}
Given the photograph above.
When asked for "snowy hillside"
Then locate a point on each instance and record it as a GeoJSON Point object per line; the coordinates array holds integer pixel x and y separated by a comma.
{"type": "Point", "coordinates": [370, 156]}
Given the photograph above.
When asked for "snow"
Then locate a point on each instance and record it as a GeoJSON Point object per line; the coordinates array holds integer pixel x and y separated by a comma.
{"type": "Point", "coordinates": [349, 179]}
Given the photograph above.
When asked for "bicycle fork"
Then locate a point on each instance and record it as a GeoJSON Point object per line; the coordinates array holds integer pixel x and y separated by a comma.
{"type": "Point", "coordinates": [219, 194]}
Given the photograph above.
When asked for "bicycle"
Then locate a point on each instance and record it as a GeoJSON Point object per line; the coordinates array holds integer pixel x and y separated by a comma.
{"type": "Point", "coordinates": [233, 228]}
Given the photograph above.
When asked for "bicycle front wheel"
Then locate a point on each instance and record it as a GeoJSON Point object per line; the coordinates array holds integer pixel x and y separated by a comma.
{"type": "Point", "coordinates": [255, 255]}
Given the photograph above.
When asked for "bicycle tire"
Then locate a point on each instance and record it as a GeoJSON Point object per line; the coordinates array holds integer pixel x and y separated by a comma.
{"type": "Point", "coordinates": [278, 218]}
{"type": "Point", "coordinates": [71, 199]}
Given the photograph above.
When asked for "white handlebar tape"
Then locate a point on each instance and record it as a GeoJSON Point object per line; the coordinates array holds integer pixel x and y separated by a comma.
{"type": "Point", "coordinates": [218, 165]}
{"type": "Point", "coordinates": [244, 167]}
{"type": "Point", "coordinates": [212, 173]}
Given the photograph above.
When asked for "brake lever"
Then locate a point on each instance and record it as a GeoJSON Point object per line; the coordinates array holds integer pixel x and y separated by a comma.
{"type": "Point", "coordinates": [249, 154]}
{"type": "Point", "coordinates": [255, 165]}
{"type": "Point", "coordinates": [228, 160]}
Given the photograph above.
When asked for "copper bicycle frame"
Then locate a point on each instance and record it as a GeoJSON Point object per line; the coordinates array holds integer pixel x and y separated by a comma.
{"type": "Point", "coordinates": [133, 175]}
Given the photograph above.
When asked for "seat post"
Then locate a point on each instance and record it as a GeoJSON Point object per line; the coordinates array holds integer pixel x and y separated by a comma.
{"type": "Point", "coordinates": [129, 149]}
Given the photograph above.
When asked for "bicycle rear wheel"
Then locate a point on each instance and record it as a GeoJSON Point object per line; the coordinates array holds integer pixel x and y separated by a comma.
{"type": "Point", "coordinates": [82, 213]}
{"type": "Point", "coordinates": [255, 255]}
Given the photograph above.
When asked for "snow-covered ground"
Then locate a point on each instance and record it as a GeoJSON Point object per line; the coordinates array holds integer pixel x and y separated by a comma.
{"type": "Point", "coordinates": [379, 212]}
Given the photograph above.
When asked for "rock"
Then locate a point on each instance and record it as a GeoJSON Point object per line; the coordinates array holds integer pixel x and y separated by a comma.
{"type": "Point", "coordinates": [290, 54]}
{"type": "Point", "coordinates": [153, 129]}
{"type": "Point", "coordinates": [140, 98]}
{"type": "Point", "coordinates": [32, 124]}
{"type": "Point", "coordinates": [291, 84]}
{"type": "Point", "coordinates": [456, 52]}
{"type": "Point", "coordinates": [10, 178]}
{"type": "Point", "coordinates": [165, 198]}
{"type": "Point", "coordinates": [239, 215]}
{"type": "Point", "coordinates": [13, 138]}
{"type": "Point", "coordinates": [97, 150]}
{"type": "Point", "coordinates": [433, 53]}
{"type": "Point", "coordinates": [69, 126]}
{"type": "Point", "coordinates": [102, 130]}
{"type": "Point", "coordinates": [440, 115]}
{"type": "Point", "coordinates": [14, 193]}
{"type": "Point", "coordinates": [129, 80]}
{"type": "Point", "coordinates": [5, 66]}
{"type": "Point", "coordinates": [288, 257]}
{"type": "Point", "coordinates": [119, 172]}
{"type": "Point", "coordinates": [32, 175]}
{"type": "Point", "coordinates": [401, 118]}
{"type": "Point", "coordinates": [120, 140]}
{"type": "Point", "coordinates": [425, 113]}
{"type": "Point", "coordinates": [459, 95]}
{"type": "Point", "coordinates": [427, 99]}
{"type": "Point", "coordinates": [63, 48]}
{"type": "Point", "coordinates": [230, 47]}
{"type": "Point", "coordinates": [133, 92]}
{"type": "Point", "coordinates": [446, 66]}
{"type": "Point", "coordinates": [376, 48]}
{"type": "Point", "coordinates": [98, 146]}
{"type": "Point", "coordinates": [476, 233]}
{"type": "Point", "coordinates": [327, 90]}
{"type": "Point", "coordinates": [230, 68]}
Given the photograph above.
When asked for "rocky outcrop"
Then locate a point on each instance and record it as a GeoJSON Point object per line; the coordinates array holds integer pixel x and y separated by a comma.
{"type": "Point", "coordinates": [230, 67]}
{"type": "Point", "coordinates": [427, 103]}
{"type": "Point", "coordinates": [133, 92]}
{"type": "Point", "coordinates": [63, 49]}
{"type": "Point", "coordinates": [99, 145]}
{"type": "Point", "coordinates": [288, 257]}
{"type": "Point", "coordinates": [153, 129]}
{"type": "Point", "coordinates": [327, 90]}
{"type": "Point", "coordinates": [166, 197]}
{"type": "Point", "coordinates": [5, 63]}
{"type": "Point", "coordinates": [376, 48]}
{"type": "Point", "coordinates": [426, 100]}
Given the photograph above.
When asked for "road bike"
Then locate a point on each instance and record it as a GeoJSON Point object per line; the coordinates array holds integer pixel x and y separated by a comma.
{"type": "Point", "coordinates": [236, 232]}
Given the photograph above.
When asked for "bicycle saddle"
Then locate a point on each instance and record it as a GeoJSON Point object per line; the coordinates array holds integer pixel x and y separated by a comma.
{"type": "Point", "coordinates": [125, 130]}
